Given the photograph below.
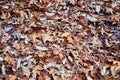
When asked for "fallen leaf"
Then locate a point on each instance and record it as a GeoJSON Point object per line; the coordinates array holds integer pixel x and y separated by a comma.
{"type": "Point", "coordinates": [83, 20]}
{"type": "Point", "coordinates": [49, 14]}
{"type": "Point", "coordinates": [89, 78]}
{"type": "Point", "coordinates": [26, 71]}
{"type": "Point", "coordinates": [65, 34]}
{"type": "Point", "coordinates": [1, 46]}
{"type": "Point", "coordinates": [98, 8]}
{"type": "Point", "coordinates": [43, 75]}
{"type": "Point", "coordinates": [70, 59]}
{"type": "Point", "coordinates": [103, 71]}
{"type": "Point", "coordinates": [16, 45]}
{"type": "Point", "coordinates": [32, 37]}
{"type": "Point", "coordinates": [46, 37]}
{"type": "Point", "coordinates": [92, 19]}
{"type": "Point", "coordinates": [3, 69]}
{"type": "Point", "coordinates": [13, 77]}
{"type": "Point", "coordinates": [8, 58]}
{"type": "Point", "coordinates": [41, 48]}
{"type": "Point", "coordinates": [64, 60]}
{"type": "Point", "coordinates": [23, 78]}
{"type": "Point", "coordinates": [70, 40]}
{"type": "Point", "coordinates": [41, 54]}
{"type": "Point", "coordinates": [46, 1]}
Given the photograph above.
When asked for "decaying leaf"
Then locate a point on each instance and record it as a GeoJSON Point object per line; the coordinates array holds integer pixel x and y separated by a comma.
{"type": "Point", "coordinates": [83, 20]}
{"type": "Point", "coordinates": [46, 37]}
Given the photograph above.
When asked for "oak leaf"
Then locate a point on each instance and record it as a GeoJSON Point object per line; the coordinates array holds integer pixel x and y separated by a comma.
{"type": "Point", "coordinates": [65, 34]}
{"type": "Point", "coordinates": [46, 37]}
{"type": "Point", "coordinates": [46, 1]}
{"type": "Point", "coordinates": [8, 58]}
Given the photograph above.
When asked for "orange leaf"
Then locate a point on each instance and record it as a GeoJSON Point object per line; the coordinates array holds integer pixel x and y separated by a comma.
{"type": "Point", "coordinates": [41, 54]}
{"type": "Point", "coordinates": [65, 34]}
{"type": "Point", "coordinates": [13, 77]}
{"type": "Point", "coordinates": [8, 58]}
{"type": "Point", "coordinates": [70, 40]}
{"type": "Point", "coordinates": [46, 1]}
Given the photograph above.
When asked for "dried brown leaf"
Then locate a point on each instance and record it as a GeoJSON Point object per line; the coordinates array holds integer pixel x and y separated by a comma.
{"type": "Point", "coordinates": [16, 45]}
{"type": "Point", "coordinates": [8, 58]}
{"type": "Point", "coordinates": [13, 77]}
{"type": "Point", "coordinates": [83, 20]}
{"type": "Point", "coordinates": [46, 37]}
{"type": "Point", "coordinates": [41, 54]}
{"type": "Point", "coordinates": [65, 34]}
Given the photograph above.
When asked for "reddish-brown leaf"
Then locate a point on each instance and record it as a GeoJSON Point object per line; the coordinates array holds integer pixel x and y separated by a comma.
{"type": "Point", "coordinates": [46, 1]}
{"type": "Point", "coordinates": [83, 21]}
{"type": "Point", "coordinates": [1, 46]}
{"type": "Point", "coordinates": [42, 75]}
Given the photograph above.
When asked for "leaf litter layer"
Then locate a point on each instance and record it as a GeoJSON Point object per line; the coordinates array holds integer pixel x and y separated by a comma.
{"type": "Point", "coordinates": [60, 39]}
